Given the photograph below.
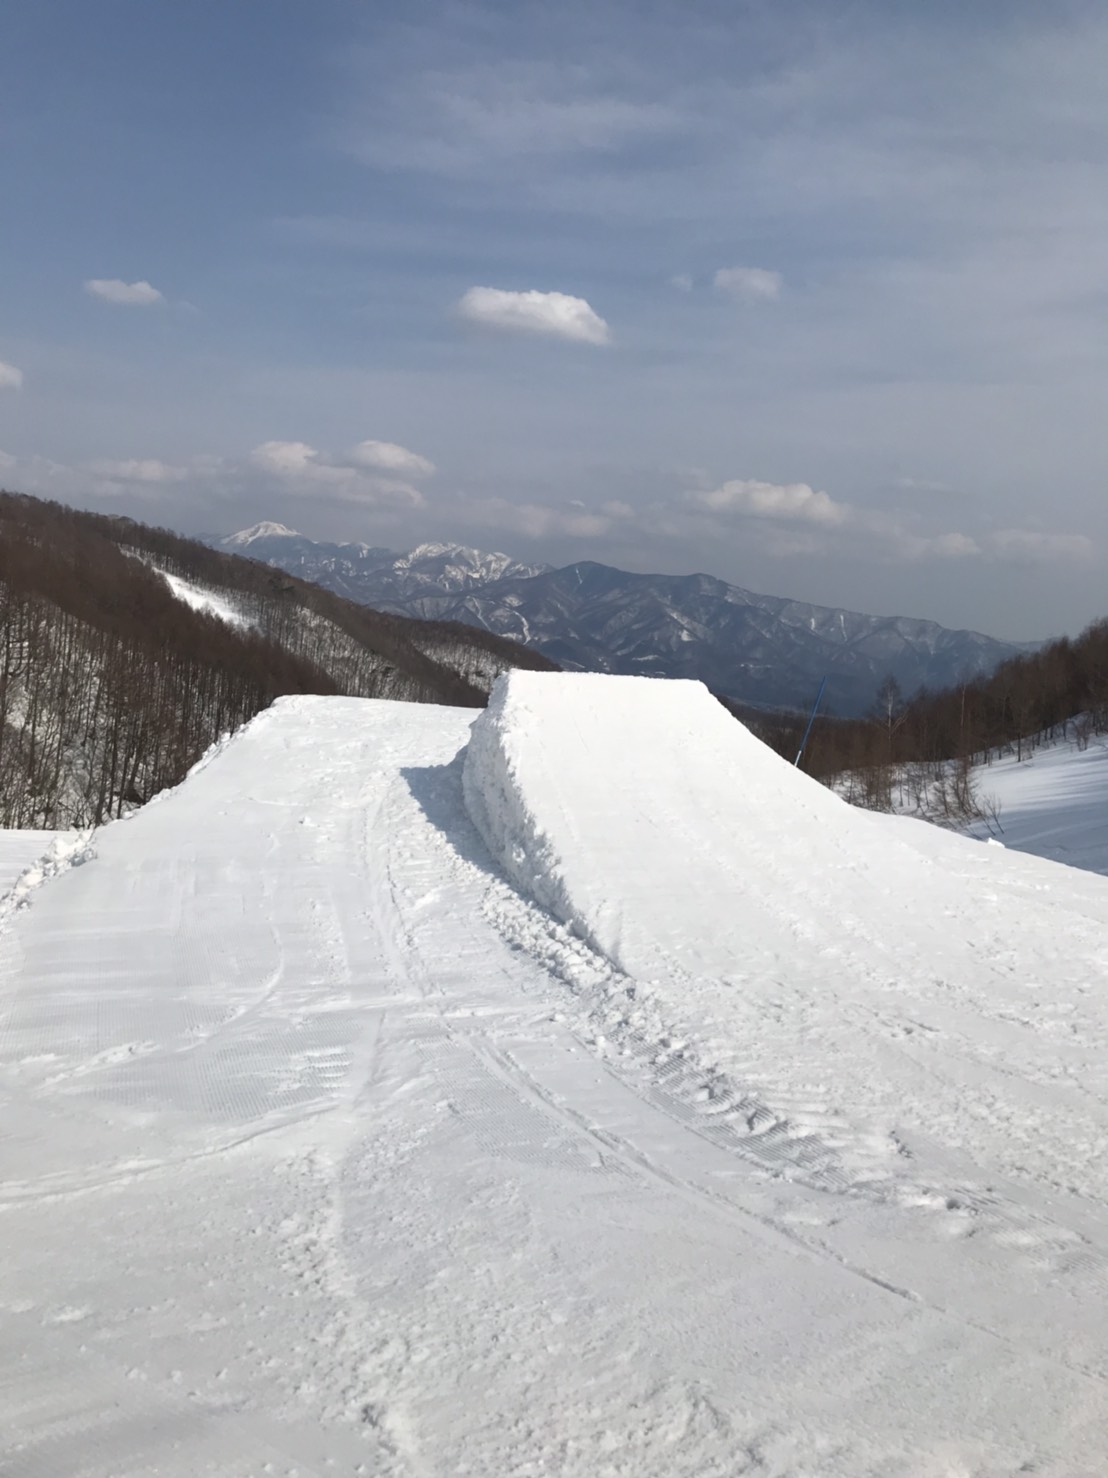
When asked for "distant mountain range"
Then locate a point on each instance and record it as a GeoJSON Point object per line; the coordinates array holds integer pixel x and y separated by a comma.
{"type": "Point", "coordinates": [375, 576]}
{"type": "Point", "coordinates": [762, 650]}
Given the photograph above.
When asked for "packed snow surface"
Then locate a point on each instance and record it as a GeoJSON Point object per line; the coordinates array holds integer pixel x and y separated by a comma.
{"type": "Point", "coordinates": [1053, 803]}
{"type": "Point", "coordinates": [594, 1097]}
{"type": "Point", "coordinates": [18, 850]}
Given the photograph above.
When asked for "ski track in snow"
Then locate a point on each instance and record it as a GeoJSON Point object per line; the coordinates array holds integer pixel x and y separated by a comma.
{"type": "Point", "coordinates": [329, 1150]}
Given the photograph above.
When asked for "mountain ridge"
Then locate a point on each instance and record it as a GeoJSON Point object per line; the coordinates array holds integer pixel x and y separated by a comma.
{"type": "Point", "coordinates": [762, 650]}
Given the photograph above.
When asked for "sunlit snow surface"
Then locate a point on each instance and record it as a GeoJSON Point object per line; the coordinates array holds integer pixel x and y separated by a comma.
{"type": "Point", "coordinates": [1054, 804]}
{"type": "Point", "coordinates": [327, 1151]}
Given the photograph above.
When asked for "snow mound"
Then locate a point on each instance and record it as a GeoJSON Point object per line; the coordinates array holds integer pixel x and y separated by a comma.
{"type": "Point", "coordinates": [65, 850]}
{"type": "Point", "coordinates": [628, 806]}
{"type": "Point", "coordinates": [862, 982]}
{"type": "Point", "coordinates": [18, 850]}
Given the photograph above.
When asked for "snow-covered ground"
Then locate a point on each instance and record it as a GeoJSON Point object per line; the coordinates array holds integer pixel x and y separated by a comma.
{"type": "Point", "coordinates": [327, 1150]}
{"type": "Point", "coordinates": [1054, 804]}
{"type": "Point", "coordinates": [202, 598]}
{"type": "Point", "coordinates": [18, 850]}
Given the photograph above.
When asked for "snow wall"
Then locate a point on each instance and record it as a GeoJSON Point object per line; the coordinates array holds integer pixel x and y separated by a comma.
{"type": "Point", "coordinates": [643, 815]}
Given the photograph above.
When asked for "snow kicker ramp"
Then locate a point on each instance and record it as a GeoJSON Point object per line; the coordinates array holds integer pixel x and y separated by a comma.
{"type": "Point", "coordinates": [324, 1151]}
{"type": "Point", "coordinates": [854, 990]}
{"type": "Point", "coordinates": [641, 814]}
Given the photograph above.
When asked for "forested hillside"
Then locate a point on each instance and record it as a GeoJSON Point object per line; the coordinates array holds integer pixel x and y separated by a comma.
{"type": "Point", "coordinates": [926, 746]}
{"type": "Point", "coordinates": [112, 686]}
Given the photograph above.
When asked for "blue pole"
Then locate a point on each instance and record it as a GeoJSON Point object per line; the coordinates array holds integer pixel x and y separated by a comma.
{"type": "Point", "coordinates": [811, 721]}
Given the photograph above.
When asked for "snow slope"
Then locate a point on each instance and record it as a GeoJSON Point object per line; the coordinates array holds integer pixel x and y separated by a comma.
{"type": "Point", "coordinates": [328, 1151]}
{"type": "Point", "coordinates": [200, 598]}
{"type": "Point", "coordinates": [18, 850]}
{"type": "Point", "coordinates": [861, 981]}
{"type": "Point", "coordinates": [1054, 804]}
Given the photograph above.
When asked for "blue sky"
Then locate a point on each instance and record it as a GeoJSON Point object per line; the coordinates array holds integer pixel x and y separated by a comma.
{"type": "Point", "coordinates": [810, 296]}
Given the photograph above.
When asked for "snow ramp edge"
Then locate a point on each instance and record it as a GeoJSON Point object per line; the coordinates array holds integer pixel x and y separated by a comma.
{"type": "Point", "coordinates": [630, 808]}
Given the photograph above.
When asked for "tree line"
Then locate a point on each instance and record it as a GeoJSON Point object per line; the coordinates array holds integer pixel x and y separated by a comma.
{"type": "Point", "coordinates": [920, 751]}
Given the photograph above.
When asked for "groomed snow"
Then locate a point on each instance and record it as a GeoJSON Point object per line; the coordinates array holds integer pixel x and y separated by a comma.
{"type": "Point", "coordinates": [329, 1151]}
{"type": "Point", "coordinates": [1053, 804]}
{"type": "Point", "coordinates": [18, 850]}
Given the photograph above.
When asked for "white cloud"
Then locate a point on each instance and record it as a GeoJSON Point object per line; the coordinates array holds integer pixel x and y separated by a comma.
{"type": "Point", "coordinates": [1029, 545]}
{"type": "Point", "coordinates": [386, 456]}
{"type": "Point", "coordinates": [123, 294]}
{"type": "Point", "coordinates": [140, 469]}
{"type": "Point", "coordinates": [304, 469]}
{"type": "Point", "coordinates": [748, 284]}
{"type": "Point", "coordinates": [40, 475]}
{"type": "Point", "coordinates": [775, 521]}
{"type": "Point", "coordinates": [378, 492]}
{"type": "Point", "coordinates": [506, 115]}
{"type": "Point", "coordinates": [498, 115]}
{"type": "Point", "coordinates": [952, 546]}
{"type": "Point", "coordinates": [788, 501]}
{"type": "Point", "coordinates": [895, 541]}
{"type": "Point", "coordinates": [285, 458]}
{"type": "Point", "coordinates": [796, 519]}
{"type": "Point", "coordinates": [10, 377]}
{"type": "Point", "coordinates": [682, 282]}
{"type": "Point", "coordinates": [296, 461]}
{"type": "Point", "coordinates": [555, 314]}
{"type": "Point", "coordinates": [537, 520]}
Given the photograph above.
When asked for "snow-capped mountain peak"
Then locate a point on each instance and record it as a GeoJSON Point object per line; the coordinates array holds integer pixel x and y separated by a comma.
{"type": "Point", "coordinates": [458, 567]}
{"type": "Point", "coordinates": [433, 551]}
{"type": "Point", "coordinates": [384, 578]}
{"type": "Point", "coordinates": [267, 529]}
